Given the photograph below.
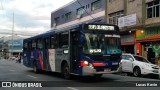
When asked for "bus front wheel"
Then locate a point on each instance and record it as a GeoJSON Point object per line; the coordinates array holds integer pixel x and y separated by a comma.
{"type": "Point", "coordinates": [66, 71]}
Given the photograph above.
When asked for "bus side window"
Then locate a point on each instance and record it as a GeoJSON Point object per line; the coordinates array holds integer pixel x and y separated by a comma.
{"type": "Point", "coordinates": [40, 44]}
{"type": "Point", "coordinates": [46, 43]}
{"type": "Point", "coordinates": [52, 40]}
{"type": "Point", "coordinates": [33, 45]}
{"type": "Point", "coordinates": [64, 40]}
{"type": "Point", "coordinates": [29, 46]}
{"type": "Point", "coordinates": [25, 47]}
{"type": "Point", "coordinates": [76, 37]}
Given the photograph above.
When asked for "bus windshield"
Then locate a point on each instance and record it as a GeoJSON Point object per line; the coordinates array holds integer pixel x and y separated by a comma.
{"type": "Point", "coordinates": [101, 44]}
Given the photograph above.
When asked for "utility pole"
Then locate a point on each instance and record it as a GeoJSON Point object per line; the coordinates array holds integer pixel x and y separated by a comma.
{"type": "Point", "coordinates": [12, 35]}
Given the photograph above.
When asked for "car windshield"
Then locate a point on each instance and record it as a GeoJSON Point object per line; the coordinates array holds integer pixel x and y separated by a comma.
{"type": "Point", "coordinates": [138, 58]}
{"type": "Point", "coordinates": [101, 43]}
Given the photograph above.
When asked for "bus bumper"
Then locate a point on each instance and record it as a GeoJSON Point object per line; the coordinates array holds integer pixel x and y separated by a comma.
{"type": "Point", "coordinates": [91, 71]}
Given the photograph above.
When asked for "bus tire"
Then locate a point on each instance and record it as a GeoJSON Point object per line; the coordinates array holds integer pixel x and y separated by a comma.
{"type": "Point", "coordinates": [35, 69]}
{"type": "Point", "coordinates": [66, 71]}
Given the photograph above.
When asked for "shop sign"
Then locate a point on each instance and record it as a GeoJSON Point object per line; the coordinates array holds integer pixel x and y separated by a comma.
{"type": "Point", "coordinates": [128, 20]}
{"type": "Point", "coordinates": [147, 34]}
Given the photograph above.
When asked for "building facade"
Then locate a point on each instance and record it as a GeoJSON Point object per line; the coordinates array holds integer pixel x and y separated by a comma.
{"type": "Point", "coordinates": [78, 11]}
{"type": "Point", "coordinates": [139, 21]}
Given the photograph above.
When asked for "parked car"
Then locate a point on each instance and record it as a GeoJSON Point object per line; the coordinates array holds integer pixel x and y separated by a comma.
{"type": "Point", "coordinates": [138, 65]}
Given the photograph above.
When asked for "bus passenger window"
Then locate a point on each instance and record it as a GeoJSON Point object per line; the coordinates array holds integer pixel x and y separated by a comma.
{"type": "Point", "coordinates": [64, 40]}
{"type": "Point", "coordinates": [34, 45]}
{"type": "Point", "coordinates": [25, 47]}
{"type": "Point", "coordinates": [46, 43]}
{"type": "Point", "coordinates": [40, 44]}
{"type": "Point", "coordinates": [54, 41]}
{"type": "Point", "coordinates": [52, 38]}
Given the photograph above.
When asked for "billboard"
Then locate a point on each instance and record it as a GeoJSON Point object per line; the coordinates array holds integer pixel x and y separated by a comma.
{"type": "Point", "coordinates": [18, 43]}
{"type": "Point", "coordinates": [127, 20]}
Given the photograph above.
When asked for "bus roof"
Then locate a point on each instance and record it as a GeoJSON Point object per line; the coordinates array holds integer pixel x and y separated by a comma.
{"type": "Point", "coordinates": [41, 35]}
{"type": "Point", "coordinates": [50, 32]}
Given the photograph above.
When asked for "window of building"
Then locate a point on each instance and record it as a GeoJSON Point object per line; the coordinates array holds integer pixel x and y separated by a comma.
{"type": "Point", "coordinates": [68, 16]}
{"type": "Point", "coordinates": [111, 1]}
{"type": "Point", "coordinates": [57, 19]}
{"type": "Point", "coordinates": [88, 5]}
{"type": "Point", "coordinates": [153, 9]}
{"type": "Point", "coordinates": [96, 5]}
{"type": "Point", "coordinates": [113, 17]}
{"type": "Point", "coordinates": [80, 11]}
{"type": "Point", "coordinates": [131, 1]}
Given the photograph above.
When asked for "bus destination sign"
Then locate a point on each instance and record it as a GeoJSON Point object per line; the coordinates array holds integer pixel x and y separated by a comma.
{"type": "Point", "coordinates": [101, 27]}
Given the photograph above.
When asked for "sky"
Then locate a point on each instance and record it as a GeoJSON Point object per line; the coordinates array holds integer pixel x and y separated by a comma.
{"type": "Point", "coordinates": [30, 16]}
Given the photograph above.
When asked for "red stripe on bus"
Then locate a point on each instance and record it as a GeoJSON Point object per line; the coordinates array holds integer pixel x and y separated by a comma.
{"type": "Point", "coordinates": [41, 62]}
{"type": "Point", "coordinates": [98, 64]}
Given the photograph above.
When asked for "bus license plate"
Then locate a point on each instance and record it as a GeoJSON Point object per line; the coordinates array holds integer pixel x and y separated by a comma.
{"type": "Point", "coordinates": [107, 70]}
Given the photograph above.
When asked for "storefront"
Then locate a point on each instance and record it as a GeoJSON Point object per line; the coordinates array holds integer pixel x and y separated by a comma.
{"type": "Point", "coordinates": [128, 42]}
{"type": "Point", "coordinates": [148, 44]}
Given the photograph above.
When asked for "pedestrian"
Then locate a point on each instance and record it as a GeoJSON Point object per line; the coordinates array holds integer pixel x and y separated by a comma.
{"type": "Point", "coordinates": [17, 59]}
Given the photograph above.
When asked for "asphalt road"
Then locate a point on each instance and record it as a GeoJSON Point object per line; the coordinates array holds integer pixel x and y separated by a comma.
{"type": "Point", "coordinates": [11, 71]}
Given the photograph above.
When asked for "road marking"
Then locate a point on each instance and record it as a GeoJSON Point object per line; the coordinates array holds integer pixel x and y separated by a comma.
{"type": "Point", "coordinates": [31, 76]}
{"type": "Point", "coordinates": [72, 88]}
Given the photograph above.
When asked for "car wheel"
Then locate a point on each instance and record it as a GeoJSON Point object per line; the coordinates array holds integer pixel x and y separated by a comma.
{"type": "Point", "coordinates": [66, 71]}
{"type": "Point", "coordinates": [137, 72]}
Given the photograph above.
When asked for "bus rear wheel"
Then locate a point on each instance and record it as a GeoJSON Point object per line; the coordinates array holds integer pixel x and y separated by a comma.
{"type": "Point", "coordinates": [66, 71]}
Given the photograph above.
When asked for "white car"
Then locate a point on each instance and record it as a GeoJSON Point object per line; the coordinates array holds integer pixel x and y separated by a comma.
{"type": "Point", "coordinates": [137, 65]}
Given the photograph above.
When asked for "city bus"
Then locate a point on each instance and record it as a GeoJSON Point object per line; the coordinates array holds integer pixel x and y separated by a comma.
{"type": "Point", "coordinates": [89, 49]}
